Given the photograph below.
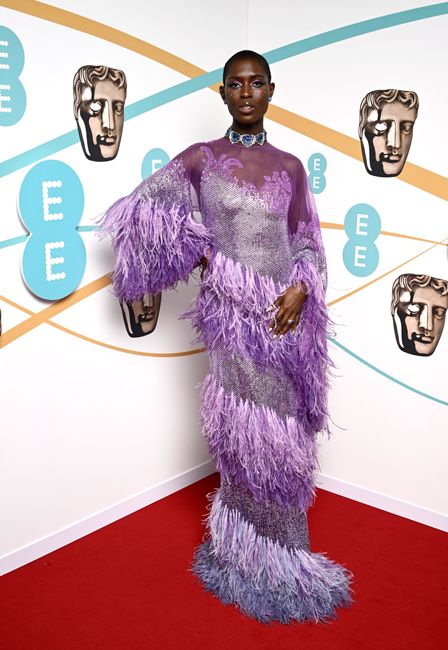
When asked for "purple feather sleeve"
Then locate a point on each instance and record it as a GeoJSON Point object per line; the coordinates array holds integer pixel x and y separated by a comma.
{"type": "Point", "coordinates": [157, 241]}
{"type": "Point", "coordinates": [314, 326]}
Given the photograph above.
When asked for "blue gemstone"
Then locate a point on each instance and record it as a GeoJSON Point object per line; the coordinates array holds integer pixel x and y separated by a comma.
{"type": "Point", "coordinates": [247, 139]}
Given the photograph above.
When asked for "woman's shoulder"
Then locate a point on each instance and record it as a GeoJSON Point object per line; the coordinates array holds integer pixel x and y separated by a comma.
{"type": "Point", "coordinates": [288, 159]}
{"type": "Point", "coordinates": [203, 144]}
{"type": "Point", "coordinates": [195, 153]}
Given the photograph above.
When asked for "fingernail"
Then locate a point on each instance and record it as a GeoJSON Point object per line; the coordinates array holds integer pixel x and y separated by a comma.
{"type": "Point", "coordinates": [270, 329]}
{"type": "Point", "coordinates": [275, 336]}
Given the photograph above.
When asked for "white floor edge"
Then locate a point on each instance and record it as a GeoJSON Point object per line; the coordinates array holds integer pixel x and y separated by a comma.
{"type": "Point", "coordinates": [383, 502]}
{"type": "Point", "coordinates": [52, 542]}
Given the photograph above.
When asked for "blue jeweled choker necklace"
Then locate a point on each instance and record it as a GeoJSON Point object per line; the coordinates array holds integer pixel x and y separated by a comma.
{"type": "Point", "coordinates": [247, 139]}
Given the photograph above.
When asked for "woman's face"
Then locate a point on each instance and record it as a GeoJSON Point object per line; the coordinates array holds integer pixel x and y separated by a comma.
{"type": "Point", "coordinates": [247, 90]}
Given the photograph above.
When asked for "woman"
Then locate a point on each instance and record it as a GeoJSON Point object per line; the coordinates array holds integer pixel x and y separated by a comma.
{"type": "Point", "coordinates": [265, 398]}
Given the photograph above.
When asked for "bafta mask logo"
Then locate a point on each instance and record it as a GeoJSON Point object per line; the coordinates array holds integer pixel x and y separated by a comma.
{"type": "Point", "coordinates": [419, 304]}
{"type": "Point", "coordinates": [99, 94]}
{"type": "Point", "coordinates": [140, 317]}
{"type": "Point", "coordinates": [386, 123]}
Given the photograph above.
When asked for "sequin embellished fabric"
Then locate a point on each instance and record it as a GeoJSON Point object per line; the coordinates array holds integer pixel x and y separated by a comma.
{"type": "Point", "coordinates": [240, 375]}
{"type": "Point", "coordinates": [264, 400]}
{"type": "Point", "coordinates": [287, 525]}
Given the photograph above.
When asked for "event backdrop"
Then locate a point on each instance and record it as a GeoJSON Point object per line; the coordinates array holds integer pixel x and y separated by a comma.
{"type": "Point", "coordinates": [100, 401]}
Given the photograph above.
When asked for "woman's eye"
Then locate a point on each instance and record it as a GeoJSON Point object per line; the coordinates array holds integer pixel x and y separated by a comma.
{"type": "Point", "coordinates": [440, 313]}
{"type": "Point", "coordinates": [95, 107]}
{"type": "Point", "coordinates": [118, 108]}
{"type": "Point", "coordinates": [258, 83]}
{"type": "Point", "coordinates": [234, 84]}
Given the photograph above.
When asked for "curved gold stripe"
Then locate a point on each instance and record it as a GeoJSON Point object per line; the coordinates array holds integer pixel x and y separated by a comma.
{"type": "Point", "coordinates": [17, 306]}
{"type": "Point", "coordinates": [100, 30]}
{"type": "Point", "coordinates": [388, 233]}
{"type": "Point", "coordinates": [127, 350]}
{"type": "Point", "coordinates": [413, 174]}
{"type": "Point", "coordinates": [52, 310]}
{"type": "Point", "coordinates": [380, 277]}
{"type": "Point", "coordinates": [4, 340]}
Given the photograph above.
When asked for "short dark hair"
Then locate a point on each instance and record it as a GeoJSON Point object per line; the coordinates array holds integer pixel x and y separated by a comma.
{"type": "Point", "coordinates": [247, 54]}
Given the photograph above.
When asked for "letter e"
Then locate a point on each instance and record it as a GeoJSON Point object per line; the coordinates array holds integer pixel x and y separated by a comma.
{"type": "Point", "coordinates": [359, 256]}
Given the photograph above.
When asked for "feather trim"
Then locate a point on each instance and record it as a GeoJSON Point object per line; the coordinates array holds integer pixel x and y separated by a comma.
{"type": "Point", "coordinates": [252, 445]}
{"type": "Point", "coordinates": [230, 312]}
{"type": "Point", "coordinates": [314, 362]}
{"type": "Point", "coordinates": [265, 579]}
{"type": "Point", "coordinates": [156, 244]}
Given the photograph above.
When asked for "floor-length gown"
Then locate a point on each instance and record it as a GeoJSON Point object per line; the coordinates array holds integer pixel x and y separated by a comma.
{"type": "Point", "coordinates": [249, 210]}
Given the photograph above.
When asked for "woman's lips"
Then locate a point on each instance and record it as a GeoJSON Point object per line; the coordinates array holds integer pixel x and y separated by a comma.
{"type": "Point", "coordinates": [246, 109]}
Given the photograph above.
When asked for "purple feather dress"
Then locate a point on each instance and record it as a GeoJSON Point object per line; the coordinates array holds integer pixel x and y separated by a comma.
{"type": "Point", "coordinates": [264, 400]}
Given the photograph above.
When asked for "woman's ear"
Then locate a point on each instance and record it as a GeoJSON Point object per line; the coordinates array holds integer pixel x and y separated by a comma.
{"type": "Point", "coordinates": [222, 93]}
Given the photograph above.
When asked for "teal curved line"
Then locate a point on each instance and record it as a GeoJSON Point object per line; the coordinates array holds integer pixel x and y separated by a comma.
{"type": "Point", "coordinates": [384, 374]}
{"type": "Point", "coordinates": [18, 240]}
{"type": "Point", "coordinates": [357, 29]}
{"type": "Point", "coordinates": [86, 228]}
{"type": "Point", "coordinates": [203, 81]}
{"type": "Point", "coordinates": [13, 241]}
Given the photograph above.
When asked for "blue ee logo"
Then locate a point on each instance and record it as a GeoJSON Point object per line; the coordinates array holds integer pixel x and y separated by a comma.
{"type": "Point", "coordinates": [51, 203]}
{"type": "Point", "coordinates": [12, 92]}
{"type": "Point", "coordinates": [362, 225]}
{"type": "Point", "coordinates": [317, 165]}
{"type": "Point", "coordinates": [155, 159]}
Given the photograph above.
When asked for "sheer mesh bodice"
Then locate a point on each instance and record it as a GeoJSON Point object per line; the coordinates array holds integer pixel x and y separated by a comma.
{"type": "Point", "coordinates": [254, 200]}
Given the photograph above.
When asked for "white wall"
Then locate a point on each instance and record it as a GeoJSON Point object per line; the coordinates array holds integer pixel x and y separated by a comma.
{"type": "Point", "coordinates": [85, 427]}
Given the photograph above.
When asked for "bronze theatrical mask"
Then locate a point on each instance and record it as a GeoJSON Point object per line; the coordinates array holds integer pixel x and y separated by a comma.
{"type": "Point", "coordinates": [386, 123]}
{"type": "Point", "coordinates": [418, 308]}
{"type": "Point", "coordinates": [140, 316]}
{"type": "Point", "coordinates": [99, 94]}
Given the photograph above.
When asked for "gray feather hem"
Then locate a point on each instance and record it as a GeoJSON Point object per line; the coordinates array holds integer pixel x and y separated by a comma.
{"type": "Point", "coordinates": [267, 605]}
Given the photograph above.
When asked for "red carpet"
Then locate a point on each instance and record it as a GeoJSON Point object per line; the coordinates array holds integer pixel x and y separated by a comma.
{"type": "Point", "coordinates": [127, 587]}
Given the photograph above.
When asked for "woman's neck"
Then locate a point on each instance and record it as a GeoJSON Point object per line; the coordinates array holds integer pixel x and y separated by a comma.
{"type": "Point", "coordinates": [252, 129]}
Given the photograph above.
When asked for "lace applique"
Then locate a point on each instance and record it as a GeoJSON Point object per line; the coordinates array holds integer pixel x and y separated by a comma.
{"type": "Point", "coordinates": [278, 188]}
{"type": "Point", "coordinates": [275, 192]}
{"type": "Point", "coordinates": [223, 164]}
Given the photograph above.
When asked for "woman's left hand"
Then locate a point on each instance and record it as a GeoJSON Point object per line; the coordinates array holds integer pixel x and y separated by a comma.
{"type": "Point", "coordinates": [289, 306]}
{"type": "Point", "coordinates": [203, 263]}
